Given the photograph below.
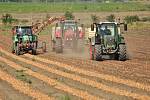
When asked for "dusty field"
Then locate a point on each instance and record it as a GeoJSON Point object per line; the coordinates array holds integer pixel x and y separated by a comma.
{"type": "Point", "coordinates": [73, 76]}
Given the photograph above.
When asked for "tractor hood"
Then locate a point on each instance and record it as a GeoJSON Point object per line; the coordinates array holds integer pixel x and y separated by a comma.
{"type": "Point", "coordinates": [109, 42]}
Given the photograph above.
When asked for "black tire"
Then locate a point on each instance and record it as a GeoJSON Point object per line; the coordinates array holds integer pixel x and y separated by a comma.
{"type": "Point", "coordinates": [34, 52]}
{"type": "Point", "coordinates": [98, 53]}
{"type": "Point", "coordinates": [122, 52]}
{"type": "Point", "coordinates": [17, 49]}
{"type": "Point", "coordinates": [58, 45]}
{"type": "Point", "coordinates": [53, 45]}
{"type": "Point", "coordinates": [13, 50]}
{"type": "Point", "coordinates": [44, 46]}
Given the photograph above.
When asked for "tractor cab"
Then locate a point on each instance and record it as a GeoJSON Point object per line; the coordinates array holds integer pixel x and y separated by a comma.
{"type": "Point", "coordinates": [24, 30]}
{"type": "Point", "coordinates": [107, 33]}
{"type": "Point", "coordinates": [69, 29]}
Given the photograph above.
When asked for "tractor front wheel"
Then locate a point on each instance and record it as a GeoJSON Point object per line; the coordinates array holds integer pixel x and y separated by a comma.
{"type": "Point", "coordinates": [13, 50]}
{"type": "Point", "coordinates": [17, 49]}
{"type": "Point", "coordinates": [97, 53]}
{"type": "Point", "coordinates": [34, 52]}
{"type": "Point", "coordinates": [58, 45]}
{"type": "Point", "coordinates": [122, 52]}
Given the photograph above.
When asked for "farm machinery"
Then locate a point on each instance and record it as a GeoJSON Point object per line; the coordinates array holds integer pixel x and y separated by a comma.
{"type": "Point", "coordinates": [107, 40]}
{"type": "Point", "coordinates": [67, 34]}
{"type": "Point", "coordinates": [24, 40]}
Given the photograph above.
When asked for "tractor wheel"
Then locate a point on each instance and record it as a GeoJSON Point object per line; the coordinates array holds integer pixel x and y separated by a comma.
{"type": "Point", "coordinates": [97, 53]}
{"type": "Point", "coordinates": [13, 50]}
{"type": "Point", "coordinates": [44, 46]}
{"type": "Point", "coordinates": [58, 45]}
{"type": "Point", "coordinates": [17, 49]}
{"type": "Point", "coordinates": [92, 50]}
{"type": "Point", "coordinates": [53, 45]}
{"type": "Point", "coordinates": [34, 52]}
{"type": "Point", "coordinates": [122, 52]}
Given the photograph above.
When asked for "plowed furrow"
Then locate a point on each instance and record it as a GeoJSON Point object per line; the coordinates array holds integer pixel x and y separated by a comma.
{"type": "Point", "coordinates": [110, 64]}
{"type": "Point", "coordinates": [106, 66]}
{"type": "Point", "coordinates": [126, 65]}
{"type": "Point", "coordinates": [24, 88]}
{"type": "Point", "coordinates": [95, 74]}
{"type": "Point", "coordinates": [54, 83]}
{"type": "Point", "coordinates": [117, 64]}
{"type": "Point", "coordinates": [80, 79]}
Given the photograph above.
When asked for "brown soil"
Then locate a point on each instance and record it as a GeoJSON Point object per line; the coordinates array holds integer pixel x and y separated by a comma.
{"type": "Point", "coordinates": [73, 75]}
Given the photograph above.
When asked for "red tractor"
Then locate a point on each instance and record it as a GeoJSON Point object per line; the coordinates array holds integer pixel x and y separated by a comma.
{"type": "Point", "coordinates": [67, 34]}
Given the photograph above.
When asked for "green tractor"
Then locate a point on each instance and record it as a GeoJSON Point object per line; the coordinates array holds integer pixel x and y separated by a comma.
{"type": "Point", "coordinates": [24, 40]}
{"type": "Point", "coordinates": [108, 41]}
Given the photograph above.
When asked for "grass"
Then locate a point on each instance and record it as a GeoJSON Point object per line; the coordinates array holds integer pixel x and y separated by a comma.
{"type": "Point", "coordinates": [65, 97]}
{"type": "Point", "coordinates": [140, 25]}
{"type": "Point", "coordinates": [75, 7]}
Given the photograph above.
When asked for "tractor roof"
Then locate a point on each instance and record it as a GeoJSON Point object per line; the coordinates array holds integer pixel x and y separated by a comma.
{"type": "Point", "coordinates": [70, 21]}
{"type": "Point", "coordinates": [23, 26]}
{"type": "Point", "coordinates": [108, 23]}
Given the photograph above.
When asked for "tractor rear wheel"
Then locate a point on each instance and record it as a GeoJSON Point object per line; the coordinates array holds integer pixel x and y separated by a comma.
{"type": "Point", "coordinates": [34, 52]}
{"type": "Point", "coordinates": [97, 53]}
{"type": "Point", "coordinates": [53, 45]}
{"type": "Point", "coordinates": [17, 49]}
{"type": "Point", "coordinates": [58, 45]}
{"type": "Point", "coordinates": [13, 50]}
{"type": "Point", "coordinates": [122, 52]}
{"type": "Point", "coordinates": [44, 46]}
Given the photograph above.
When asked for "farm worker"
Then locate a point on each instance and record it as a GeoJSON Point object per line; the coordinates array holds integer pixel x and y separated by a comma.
{"type": "Point", "coordinates": [107, 31]}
